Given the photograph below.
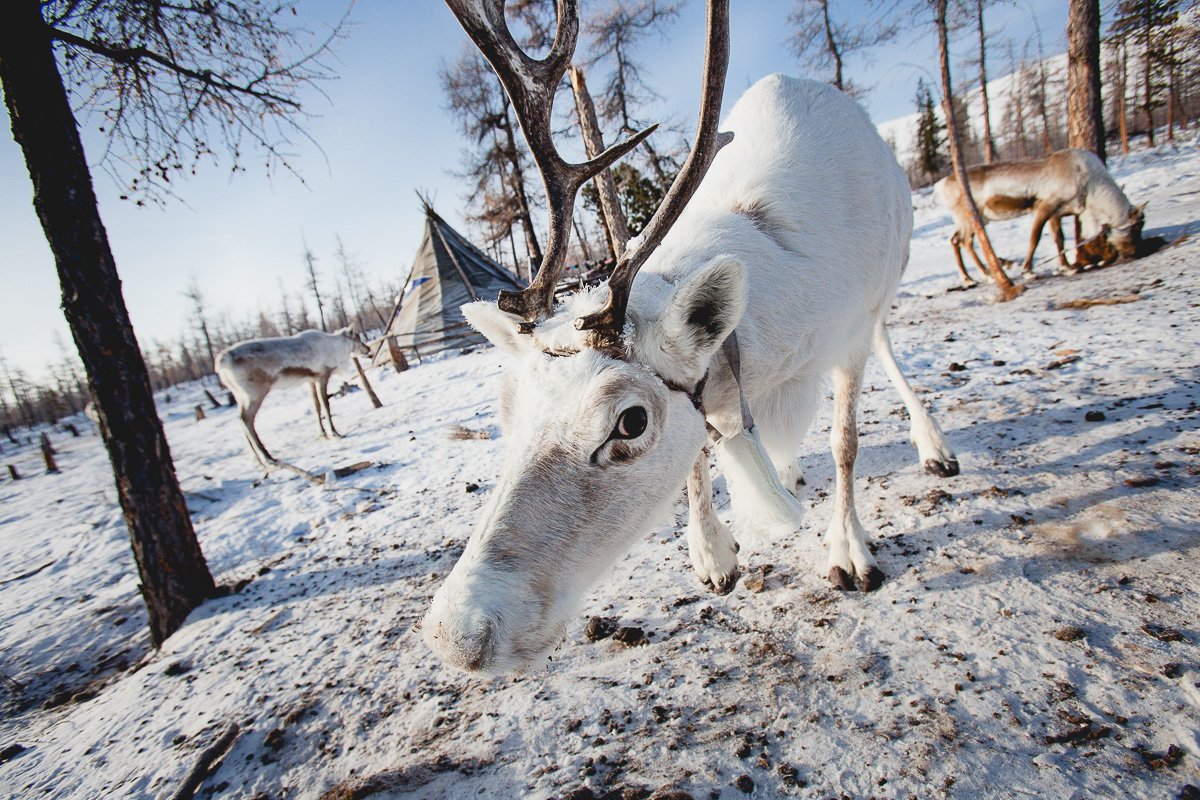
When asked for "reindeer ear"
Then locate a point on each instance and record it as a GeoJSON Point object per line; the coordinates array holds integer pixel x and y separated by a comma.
{"type": "Point", "coordinates": [500, 327]}
{"type": "Point", "coordinates": [346, 331]}
{"type": "Point", "coordinates": [1139, 212]}
{"type": "Point", "coordinates": [704, 309]}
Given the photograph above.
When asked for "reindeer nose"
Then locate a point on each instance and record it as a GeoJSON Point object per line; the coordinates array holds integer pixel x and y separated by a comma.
{"type": "Point", "coordinates": [469, 644]}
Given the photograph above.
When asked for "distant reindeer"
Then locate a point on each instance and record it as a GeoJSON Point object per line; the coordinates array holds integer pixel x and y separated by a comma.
{"type": "Point", "coordinates": [1067, 183]}
{"type": "Point", "coordinates": [796, 240]}
{"type": "Point", "coordinates": [254, 367]}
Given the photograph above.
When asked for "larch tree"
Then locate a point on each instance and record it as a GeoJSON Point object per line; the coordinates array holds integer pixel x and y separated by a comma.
{"type": "Point", "coordinates": [822, 42]}
{"type": "Point", "coordinates": [171, 83]}
{"type": "Point", "coordinates": [1007, 290]}
{"type": "Point", "coordinates": [1085, 111]}
{"type": "Point", "coordinates": [989, 142]}
{"type": "Point", "coordinates": [613, 36]}
{"type": "Point", "coordinates": [313, 284]}
{"type": "Point", "coordinates": [476, 100]}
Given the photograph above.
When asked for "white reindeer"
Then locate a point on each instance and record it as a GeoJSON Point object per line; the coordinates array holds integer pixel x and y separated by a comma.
{"type": "Point", "coordinates": [1066, 183]}
{"type": "Point", "coordinates": [254, 367]}
{"type": "Point", "coordinates": [796, 240]}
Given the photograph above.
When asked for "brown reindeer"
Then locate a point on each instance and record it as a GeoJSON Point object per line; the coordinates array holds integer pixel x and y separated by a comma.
{"type": "Point", "coordinates": [1066, 183]}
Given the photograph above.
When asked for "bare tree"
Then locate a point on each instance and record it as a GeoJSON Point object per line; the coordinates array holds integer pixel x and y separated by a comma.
{"type": "Point", "coordinates": [165, 78]}
{"type": "Point", "coordinates": [310, 266]}
{"type": "Point", "coordinates": [1007, 289]}
{"type": "Point", "coordinates": [200, 318]}
{"type": "Point", "coordinates": [477, 101]}
{"type": "Point", "coordinates": [1085, 115]}
{"type": "Point", "coordinates": [989, 143]}
{"type": "Point", "coordinates": [614, 34]}
{"type": "Point", "coordinates": [822, 42]}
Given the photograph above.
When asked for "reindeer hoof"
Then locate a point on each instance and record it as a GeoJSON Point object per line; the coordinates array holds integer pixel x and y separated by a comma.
{"type": "Point", "coordinates": [724, 584]}
{"type": "Point", "coordinates": [841, 579]}
{"type": "Point", "coordinates": [872, 581]}
{"type": "Point", "coordinates": [943, 469]}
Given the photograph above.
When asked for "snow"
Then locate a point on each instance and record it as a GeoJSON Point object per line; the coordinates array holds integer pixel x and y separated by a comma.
{"type": "Point", "coordinates": [947, 682]}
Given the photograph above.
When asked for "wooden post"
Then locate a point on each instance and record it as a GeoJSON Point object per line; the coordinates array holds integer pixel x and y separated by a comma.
{"type": "Point", "coordinates": [71, 429]}
{"type": "Point", "coordinates": [399, 362]}
{"type": "Point", "coordinates": [44, 443]}
{"type": "Point", "coordinates": [366, 383]}
{"type": "Point", "coordinates": [211, 399]}
{"type": "Point", "coordinates": [48, 455]}
{"type": "Point", "coordinates": [199, 413]}
{"type": "Point", "coordinates": [12, 473]}
{"type": "Point", "coordinates": [230, 400]}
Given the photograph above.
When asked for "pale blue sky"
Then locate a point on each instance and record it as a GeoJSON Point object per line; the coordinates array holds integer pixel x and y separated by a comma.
{"type": "Point", "coordinates": [384, 134]}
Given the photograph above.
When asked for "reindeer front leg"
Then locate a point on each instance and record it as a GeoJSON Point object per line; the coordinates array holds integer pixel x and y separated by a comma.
{"type": "Point", "coordinates": [850, 563]}
{"type": "Point", "coordinates": [317, 408]}
{"type": "Point", "coordinates": [1059, 242]}
{"type": "Point", "coordinates": [710, 544]}
{"type": "Point", "coordinates": [956, 246]}
{"type": "Point", "coordinates": [1040, 217]}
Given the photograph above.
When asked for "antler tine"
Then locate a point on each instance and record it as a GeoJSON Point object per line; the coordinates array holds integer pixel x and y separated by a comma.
{"type": "Point", "coordinates": [531, 85]}
{"type": "Point", "coordinates": [608, 322]}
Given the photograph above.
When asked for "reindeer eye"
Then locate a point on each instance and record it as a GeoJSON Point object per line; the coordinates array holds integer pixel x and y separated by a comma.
{"type": "Point", "coordinates": [631, 424]}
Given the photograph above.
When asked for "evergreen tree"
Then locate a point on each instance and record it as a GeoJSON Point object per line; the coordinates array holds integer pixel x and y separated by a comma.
{"type": "Point", "coordinates": [931, 139]}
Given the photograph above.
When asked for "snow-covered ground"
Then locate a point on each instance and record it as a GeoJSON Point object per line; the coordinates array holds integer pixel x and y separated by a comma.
{"type": "Point", "coordinates": [1037, 635]}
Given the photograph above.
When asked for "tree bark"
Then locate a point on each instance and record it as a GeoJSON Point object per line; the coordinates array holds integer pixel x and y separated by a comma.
{"type": "Point", "coordinates": [1123, 100]}
{"type": "Point", "coordinates": [174, 575]}
{"type": "Point", "coordinates": [617, 227]}
{"type": "Point", "coordinates": [1007, 289]}
{"type": "Point", "coordinates": [1085, 114]}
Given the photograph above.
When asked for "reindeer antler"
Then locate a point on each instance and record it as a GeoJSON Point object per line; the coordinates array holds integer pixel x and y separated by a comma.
{"type": "Point", "coordinates": [608, 322]}
{"type": "Point", "coordinates": [531, 84]}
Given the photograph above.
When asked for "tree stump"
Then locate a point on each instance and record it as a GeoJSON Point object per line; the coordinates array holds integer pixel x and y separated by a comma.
{"type": "Point", "coordinates": [211, 399]}
{"type": "Point", "coordinates": [12, 473]}
{"type": "Point", "coordinates": [199, 413]}
{"type": "Point", "coordinates": [48, 455]}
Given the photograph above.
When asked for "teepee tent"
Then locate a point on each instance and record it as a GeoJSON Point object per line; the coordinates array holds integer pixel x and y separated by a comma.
{"type": "Point", "coordinates": [447, 272]}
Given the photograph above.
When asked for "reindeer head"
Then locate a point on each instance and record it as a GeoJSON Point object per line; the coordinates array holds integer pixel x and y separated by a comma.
{"type": "Point", "coordinates": [1127, 237]}
{"type": "Point", "coordinates": [357, 346]}
{"type": "Point", "coordinates": [599, 407]}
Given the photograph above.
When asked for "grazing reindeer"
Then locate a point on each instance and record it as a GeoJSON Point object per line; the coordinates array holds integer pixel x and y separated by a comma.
{"type": "Point", "coordinates": [254, 367]}
{"type": "Point", "coordinates": [1069, 182]}
{"type": "Point", "coordinates": [796, 239]}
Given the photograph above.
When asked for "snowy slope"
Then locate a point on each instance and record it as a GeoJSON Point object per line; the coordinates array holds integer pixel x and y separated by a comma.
{"type": "Point", "coordinates": [963, 676]}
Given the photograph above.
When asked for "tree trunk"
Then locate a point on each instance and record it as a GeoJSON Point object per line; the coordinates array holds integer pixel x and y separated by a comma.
{"type": "Point", "coordinates": [174, 575]}
{"type": "Point", "coordinates": [1085, 114]}
{"type": "Point", "coordinates": [1122, 90]}
{"type": "Point", "coordinates": [989, 144]}
{"type": "Point", "coordinates": [1146, 83]}
{"type": "Point", "coordinates": [831, 45]}
{"type": "Point", "coordinates": [593, 140]}
{"type": "Point", "coordinates": [532, 246]}
{"type": "Point", "coordinates": [1007, 290]}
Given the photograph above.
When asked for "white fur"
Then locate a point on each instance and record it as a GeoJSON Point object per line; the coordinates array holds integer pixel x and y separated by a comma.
{"type": "Point", "coordinates": [253, 367]}
{"type": "Point", "coordinates": [797, 237]}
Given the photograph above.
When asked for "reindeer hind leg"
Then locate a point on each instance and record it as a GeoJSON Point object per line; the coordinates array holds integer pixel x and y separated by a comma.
{"type": "Point", "coordinates": [932, 448]}
{"type": "Point", "coordinates": [323, 391]}
{"type": "Point", "coordinates": [247, 415]}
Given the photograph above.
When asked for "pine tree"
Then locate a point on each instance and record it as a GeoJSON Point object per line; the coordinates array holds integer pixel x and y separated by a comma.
{"type": "Point", "coordinates": [931, 139]}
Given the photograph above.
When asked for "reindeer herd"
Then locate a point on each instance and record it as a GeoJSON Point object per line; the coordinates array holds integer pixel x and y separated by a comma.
{"type": "Point", "coordinates": [772, 263]}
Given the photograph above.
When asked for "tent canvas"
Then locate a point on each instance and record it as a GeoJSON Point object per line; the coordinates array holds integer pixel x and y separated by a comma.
{"type": "Point", "coordinates": [447, 272]}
